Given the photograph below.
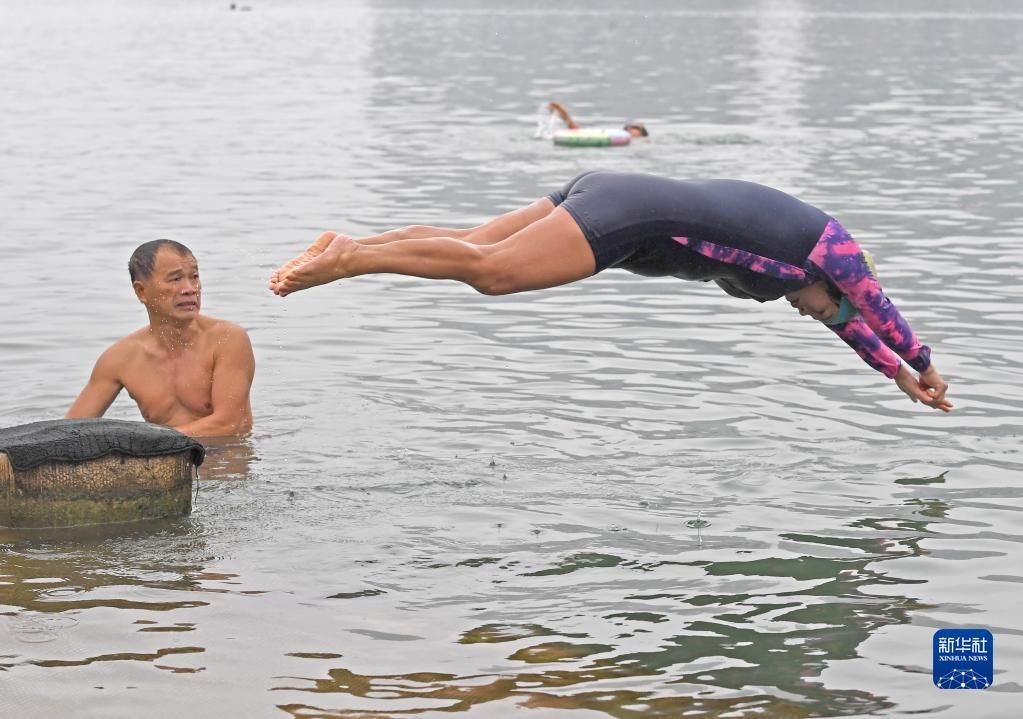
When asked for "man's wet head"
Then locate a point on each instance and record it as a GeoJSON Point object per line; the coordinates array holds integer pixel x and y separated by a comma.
{"type": "Point", "coordinates": [636, 128]}
{"type": "Point", "coordinates": [165, 277]}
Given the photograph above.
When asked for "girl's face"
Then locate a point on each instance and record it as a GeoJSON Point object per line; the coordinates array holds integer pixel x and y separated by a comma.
{"type": "Point", "coordinates": [814, 300]}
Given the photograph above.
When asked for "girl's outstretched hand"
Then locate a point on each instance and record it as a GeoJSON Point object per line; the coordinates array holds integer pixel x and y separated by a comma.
{"type": "Point", "coordinates": [930, 388]}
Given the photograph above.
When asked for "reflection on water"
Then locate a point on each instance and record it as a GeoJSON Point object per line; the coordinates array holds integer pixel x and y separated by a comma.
{"type": "Point", "coordinates": [708, 642]}
{"type": "Point", "coordinates": [53, 583]}
{"type": "Point", "coordinates": [228, 458]}
{"type": "Point", "coordinates": [628, 497]}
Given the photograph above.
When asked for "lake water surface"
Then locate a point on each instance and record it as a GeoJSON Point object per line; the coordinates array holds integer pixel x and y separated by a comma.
{"type": "Point", "coordinates": [627, 497]}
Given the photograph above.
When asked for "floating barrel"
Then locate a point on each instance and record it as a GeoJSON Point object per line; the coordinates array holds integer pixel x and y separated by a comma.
{"type": "Point", "coordinates": [71, 472]}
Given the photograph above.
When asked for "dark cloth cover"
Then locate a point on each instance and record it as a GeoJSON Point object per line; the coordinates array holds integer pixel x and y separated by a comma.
{"type": "Point", "coordinates": [78, 440]}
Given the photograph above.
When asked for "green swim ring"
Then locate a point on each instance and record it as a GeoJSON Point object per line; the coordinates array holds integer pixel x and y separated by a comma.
{"type": "Point", "coordinates": [592, 138]}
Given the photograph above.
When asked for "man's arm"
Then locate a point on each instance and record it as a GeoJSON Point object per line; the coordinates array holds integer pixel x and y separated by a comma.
{"type": "Point", "coordinates": [563, 114]}
{"type": "Point", "coordinates": [233, 370]}
{"type": "Point", "coordinates": [102, 388]}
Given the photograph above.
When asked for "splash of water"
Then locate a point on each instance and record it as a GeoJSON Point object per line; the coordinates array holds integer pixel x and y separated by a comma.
{"type": "Point", "coordinates": [545, 122]}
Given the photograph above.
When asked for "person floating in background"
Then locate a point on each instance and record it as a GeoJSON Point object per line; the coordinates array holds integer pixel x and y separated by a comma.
{"type": "Point", "coordinates": [755, 242]}
{"type": "Point", "coordinates": [633, 127]}
{"type": "Point", "coordinates": [185, 370]}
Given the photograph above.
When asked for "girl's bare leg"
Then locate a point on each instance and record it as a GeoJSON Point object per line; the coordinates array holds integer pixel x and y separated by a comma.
{"type": "Point", "coordinates": [496, 230]}
{"type": "Point", "coordinates": [506, 225]}
{"type": "Point", "coordinates": [500, 228]}
{"type": "Point", "coordinates": [545, 253]}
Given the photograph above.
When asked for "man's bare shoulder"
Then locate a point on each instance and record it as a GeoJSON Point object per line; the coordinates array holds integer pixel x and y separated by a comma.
{"type": "Point", "coordinates": [227, 341]}
{"type": "Point", "coordinates": [122, 352]}
{"type": "Point", "coordinates": [222, 329]}
{"type": "Point", "coordinates": [127, 346]}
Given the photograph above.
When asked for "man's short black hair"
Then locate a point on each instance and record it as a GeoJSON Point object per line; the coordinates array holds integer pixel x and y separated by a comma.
{"type": "Point", "coordinates": [140, 266]}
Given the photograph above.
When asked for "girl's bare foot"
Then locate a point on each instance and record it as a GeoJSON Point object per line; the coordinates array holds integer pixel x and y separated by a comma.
{"type": "Point", "coordinates": [317, 266]}
{"type": "Point", "coordinates": [314, 250]}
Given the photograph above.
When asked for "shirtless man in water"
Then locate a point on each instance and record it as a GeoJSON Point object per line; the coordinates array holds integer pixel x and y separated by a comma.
{"type": "Point", "coordinates": [184, 370]}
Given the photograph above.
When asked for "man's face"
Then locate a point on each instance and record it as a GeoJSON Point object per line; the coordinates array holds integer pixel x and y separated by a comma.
{"type": "Point", "coordinates": [173, 290]}
{"type": "Point", "coordinates": [814, 300]}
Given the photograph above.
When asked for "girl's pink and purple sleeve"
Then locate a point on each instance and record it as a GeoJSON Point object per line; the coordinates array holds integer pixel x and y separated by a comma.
{"type": "Point", "coordinates": [839, 257]}
{"type": "Point", "coordinates": [878, 333]}
{"type": "Point", "coordinates": [857, 334]}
